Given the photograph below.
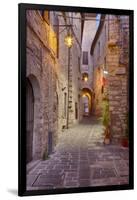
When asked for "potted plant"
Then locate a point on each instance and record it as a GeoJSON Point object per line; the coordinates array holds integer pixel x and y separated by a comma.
{"type": "Point", "coordinates": [105, 121]}
{"type": "Point", "coordinates": [107, 137]}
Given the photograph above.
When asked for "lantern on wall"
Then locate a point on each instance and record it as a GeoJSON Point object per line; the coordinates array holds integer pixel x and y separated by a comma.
{"type": "Point", "coordinates": [68, 40]}
{"type": "Point", "coordinates": [105, 72]}
{"type": "Point", "coordinates": [85, 77]}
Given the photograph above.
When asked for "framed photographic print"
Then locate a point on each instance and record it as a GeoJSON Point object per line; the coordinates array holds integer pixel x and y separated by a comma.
{"type": "Point", "coordinates": [75, 99]}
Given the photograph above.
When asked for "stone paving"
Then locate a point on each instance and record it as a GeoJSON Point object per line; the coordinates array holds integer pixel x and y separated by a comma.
{"type": "Point", "coordinates": [80, 160]}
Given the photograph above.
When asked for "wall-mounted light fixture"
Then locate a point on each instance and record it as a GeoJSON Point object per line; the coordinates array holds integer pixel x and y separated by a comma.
{"type": "Point", "coordinates": [105, 71]}
{"type": "Point", "coordinates": [83, 95]}
{"type": "Point", "coordinates": [86, 78]}
{"type": "Point", "coordinates": [68, 40]}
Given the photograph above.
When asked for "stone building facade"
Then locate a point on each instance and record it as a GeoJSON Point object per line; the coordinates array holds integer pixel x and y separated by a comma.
{"type": "Point", "coordinates": [98, 53]}
{"type": "Point", "coordinates": [69, 70]}
{"type": "Point", "coordinates": [47, 76]}
{"type": "Point", "coordinates": [60, 80]}
{"type": "Point", "coordinates": [110, 53]}
{"type": "Point", "coordinates": [86, 84]}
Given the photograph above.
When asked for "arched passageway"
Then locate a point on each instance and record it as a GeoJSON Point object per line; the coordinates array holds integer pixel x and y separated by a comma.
{"type": "Point", "coordinates": [86, 96]}
{"type": "Point", "coordinates": [33, 115]}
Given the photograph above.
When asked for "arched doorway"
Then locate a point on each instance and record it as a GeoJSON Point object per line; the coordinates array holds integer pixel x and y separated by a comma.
{"type": "Point", "coordinates": [29, 120]}
{"type": "Point", "coordinates": [86, 96]}
{"type": "Point", "coordinates": [33, 119]}
{"type": "Point", "coordinates": [85, 105]}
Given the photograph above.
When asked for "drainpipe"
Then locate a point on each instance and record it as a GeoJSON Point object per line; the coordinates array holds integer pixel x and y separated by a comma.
{"type": "Point", "coordinates": [67, 124]}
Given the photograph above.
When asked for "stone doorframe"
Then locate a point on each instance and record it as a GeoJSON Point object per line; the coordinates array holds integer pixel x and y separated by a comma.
{"type": "Point", "coordinates": [37, 135]}
{"type": "Point", "coordinates": [87, 92]}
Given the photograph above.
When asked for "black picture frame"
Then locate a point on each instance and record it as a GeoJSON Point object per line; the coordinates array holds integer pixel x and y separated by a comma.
{"type": "Point", "coordinates": [22, 99]}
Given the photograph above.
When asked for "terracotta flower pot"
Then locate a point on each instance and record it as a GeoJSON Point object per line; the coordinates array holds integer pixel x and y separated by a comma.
{"type": "Point", "coordinates": [106, 140]}
{"type": "Point", "coordinates": [107, 136]}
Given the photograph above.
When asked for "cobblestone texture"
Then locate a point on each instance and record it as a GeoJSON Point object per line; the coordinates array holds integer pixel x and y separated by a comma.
{"type": "Point", "coordinates": [81, 160]}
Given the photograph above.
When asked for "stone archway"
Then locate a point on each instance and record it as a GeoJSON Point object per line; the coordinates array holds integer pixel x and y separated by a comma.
{"type": "Point", "coordinates": [33, 115]}
{"type": "Point", "coordinates": [86, 96]}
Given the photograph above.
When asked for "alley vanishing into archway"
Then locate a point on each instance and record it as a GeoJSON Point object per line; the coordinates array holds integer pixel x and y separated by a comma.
{"type": "Point", "coordinates": [80, 159]}
{"type": "Point", "coordinates": [77, 105]}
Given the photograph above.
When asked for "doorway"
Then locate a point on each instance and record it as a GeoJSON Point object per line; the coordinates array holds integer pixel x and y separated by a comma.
{"type": "Point", "coordinates": [33, 119]}
{"type": "Point", "coordinates": [86, 97]}
{"type": "Point", "coordinates": [29, 120]}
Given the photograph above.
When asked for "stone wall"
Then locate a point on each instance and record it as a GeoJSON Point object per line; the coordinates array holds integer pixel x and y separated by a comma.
{"type": "Point", "coordinates": [75, 62]}
{"type": "Point", "coordinates": [68, 109]}
{"type": "Point", "coordinates": [97, 97]}
{"type": "Point", "coordinates": [111, 53]}
{"type": "Point", "coordinates": [89, 30]}
{"type": "Point", "coordinates": [47, 72]}
{"type": "Point", "coordinates": [41, 63]}
{"type": "Point", "coordinates": [99, 64]}
{"type": "Point", "coordinates": [117, 60]}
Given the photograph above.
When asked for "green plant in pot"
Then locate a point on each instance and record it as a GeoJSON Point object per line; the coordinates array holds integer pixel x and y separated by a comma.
{"type": "Point", "coordinates": [106, 121]}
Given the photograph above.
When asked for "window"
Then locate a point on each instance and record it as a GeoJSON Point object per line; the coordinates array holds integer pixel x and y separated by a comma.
{"type": "Point", "coordinates": [85, 58]}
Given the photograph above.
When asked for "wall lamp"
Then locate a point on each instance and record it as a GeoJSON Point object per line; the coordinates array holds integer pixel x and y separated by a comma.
{"type": "Point", "coordinates": [105, 71]}
{"type": "Point", "coordinates": [68, 38]}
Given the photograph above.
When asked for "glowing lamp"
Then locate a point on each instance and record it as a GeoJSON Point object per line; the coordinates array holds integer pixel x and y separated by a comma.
{"type": "Point", "coordinates": [85, 78]}
{"type": "Point", "coordinates": [105, 72]}
{"type": "Point", "coordinates": [69, 41]}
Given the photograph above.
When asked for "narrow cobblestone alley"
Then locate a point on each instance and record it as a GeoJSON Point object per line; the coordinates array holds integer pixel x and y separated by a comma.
{"type": "Point", "coordinates": [77, 99]}
{"type": "Point", "coordinates": [80, 159]}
